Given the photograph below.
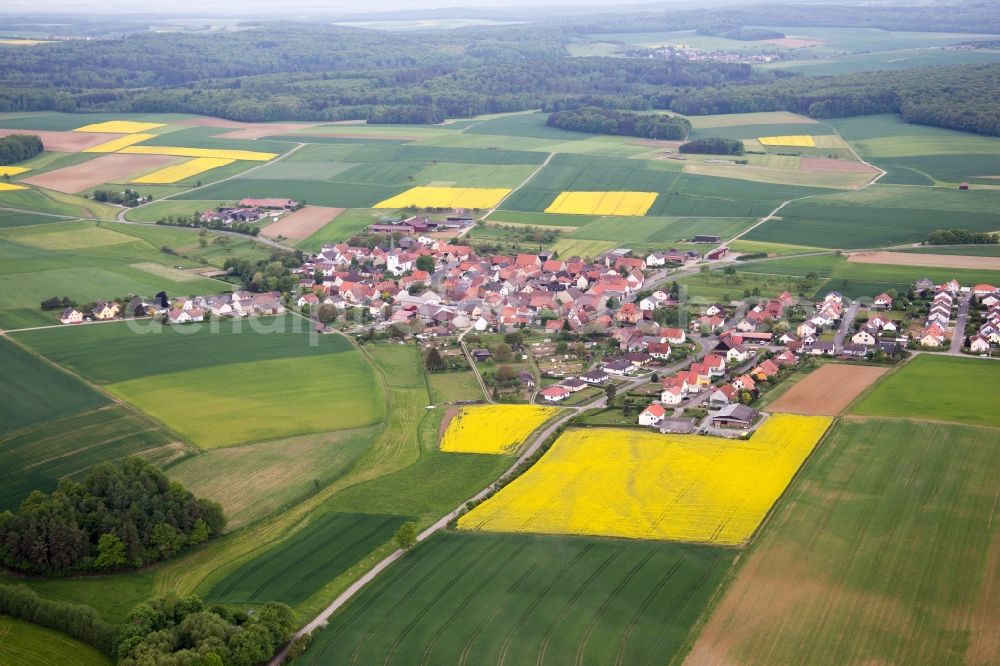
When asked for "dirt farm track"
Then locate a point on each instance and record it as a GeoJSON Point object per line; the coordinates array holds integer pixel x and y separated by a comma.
{"type": "Point", "coordinates": [926, 260]}
{"type": "Point", "coordinates": [828, 390]}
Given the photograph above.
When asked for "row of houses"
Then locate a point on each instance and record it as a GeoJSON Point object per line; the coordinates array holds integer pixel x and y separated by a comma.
{"type": "Point", "coordinates": [987, 337]}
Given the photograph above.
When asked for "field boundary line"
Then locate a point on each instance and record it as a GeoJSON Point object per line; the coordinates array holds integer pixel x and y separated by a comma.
{"type": "Point", "coordinates": [527, 180]}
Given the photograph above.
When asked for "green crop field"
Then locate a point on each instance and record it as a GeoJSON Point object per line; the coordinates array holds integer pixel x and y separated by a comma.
{"type": "Point", "coordinates": [87, 261]}
{"type": "Point", "coordinates": [883, 550]}
{"type": "Point", "coordinates": [958, 250]}
{"type": "Point", "coordinates": [341, 228]}
{"type": "Point", "coordinates": [33, 391]}
{"type": "Point", "coordinates": [892, 60]}
{"type": "Point", "coordinates": [937, 388]}
{"type": "Point", "coordinates": [657, 232]}
{"type": "Point", "coordinates": [681, 194]}
{"type": "Point", "coordinates": [753, 131]}
{"type": "Point", "coordinates": [64, 122]}
{"type": "Point", "coordinates": [856, 279]}
{"type": "Point", "coordinates": [26, 644]}
{"type": "Point", "coordinates": [156, 349]}
{"type": "Point", "coordinates": [295, 568]}
{"type": "Point", "coordinates": [10, 219]}
{"type": "Point", "coordinates": [832, 224]}
{"type": "Point", "coordinates": [56, 203]}
{"type": "Point", "coordinates": [36, 458]}
{"type": "Point", "coordinates": [401, 364]}
{"type": "Point", "coordinates": [236, 403]}
{"type": "Point", "coordinates": [454, 386]}
{"type": "Point", "coordinates": [518, 599]}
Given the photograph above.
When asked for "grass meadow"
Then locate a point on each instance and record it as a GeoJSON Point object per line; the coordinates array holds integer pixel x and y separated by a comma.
{"type": "Point", "coordinates": [937, 388]}
{"type": "Point", "coordinates": [254, 481]}
{"type": "Point", "coordinates": [515, 598]}
{"type": "Point", "coordinates": [883, 550]}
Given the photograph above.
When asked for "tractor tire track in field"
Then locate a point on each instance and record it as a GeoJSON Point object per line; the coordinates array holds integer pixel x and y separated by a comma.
{"type": "Point", "coordinates": [569, 604]}
{"type": "Point", "coordinates": [402, 600]}
{"type": "Point", "coordinates": [455, 577]}
{"type": "Point", "coordinates": [371, 533]}
{"type": "Point", "coordinates": [276, 555]}
{"type": "Point", "coordinates": [538, 599]}
{"type": "Point", "coordinates": [464, 658]}
{"type": "Point", "coordinates": [425, 659]}
{"type": "Point", "coordinates": [623, 643]}
{"type": "Point", "coordinates": [582, 648]}
{"type": "Point", "coordinates": [360, 610]}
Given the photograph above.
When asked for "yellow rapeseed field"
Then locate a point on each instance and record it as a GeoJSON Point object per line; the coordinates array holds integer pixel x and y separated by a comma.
{"type": "Point", "coordinates": [179, 151]}
{"type": "Point", "coordinates": [172, 174]}
{"type": "Point", "coordinates": [643, 485]}
{"type": "Point", "coordinates": [799, 140]}
{"type": "Point", "coordinates": [12, 170]}
{"type": "Point", "coordinates": [10, 187]}
{"type": "Point", "coordinates": [119, 127]}
{"type": "Point", "coordinates": [496, 429]}
{"type": "Point", "coordinates": [115, 145]}
{"type": "Point", "coordinates": [602, 203]}
{"type": "Point", "coordinates": [446, 197]}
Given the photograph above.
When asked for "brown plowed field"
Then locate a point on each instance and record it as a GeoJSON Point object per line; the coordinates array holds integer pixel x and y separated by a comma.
{"type": "Point", "coordinates": [827, 164]}
{"type": "Point", "coordinates": [828, 390]}
{"type": "Point", "coordinates": [105, 169]}
{"type": "Point", "coordinates": [925, 260]}
{"type": "Point", "coordinates": [66, 142]}
{"type": "Point", "coordinates": [303, 223]}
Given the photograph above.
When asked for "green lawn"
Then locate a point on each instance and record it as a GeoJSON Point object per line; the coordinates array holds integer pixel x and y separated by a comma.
{"type": "Point", "coordinates": [938, 388]}
{"type": "Point", "coordinates": [883, 550]}
{"type": "Point", "coordinates": [401, 364]}
{"type": "Point", "coordinates": [293, 569]}
{"type": "Point", "coordinates": [36, 458]}
{"type": "Point", "coordinates": [11, 218]}
{"type": "Point", "coordinates": [33, 391]}
{"type": "Point", "coordinates": [237, 403]}
{"type": "Point", "coordinates": [514, 598]}
{"type": "Point", "coordinates": [26, 644]}
{"type": "Point", "coordinates": [454, 386]}
{"type": "Point", "coordinates": [345, 225]}
{"type": "Point", "coordinates": [56, 203]}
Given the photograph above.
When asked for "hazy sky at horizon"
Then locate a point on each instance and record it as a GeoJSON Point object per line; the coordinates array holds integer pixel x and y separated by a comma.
{"type": "Point", "coordinates": [219, 8]}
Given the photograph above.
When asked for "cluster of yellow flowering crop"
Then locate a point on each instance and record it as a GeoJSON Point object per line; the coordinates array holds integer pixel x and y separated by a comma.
{"type": "Point", "coordinates": [643, 485]}
{"type": "Point", "coordinates": [446, 197]}
{"type": "Point", "coordinates": [602, 203]}
{"type": "Point", "coordinates": [496, 429]}
{"type": "Point", "coordinates": [799, 140]}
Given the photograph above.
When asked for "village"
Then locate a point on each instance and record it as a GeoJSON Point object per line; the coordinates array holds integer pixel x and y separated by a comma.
{"type": "Point", "coordinates": [614, 332]}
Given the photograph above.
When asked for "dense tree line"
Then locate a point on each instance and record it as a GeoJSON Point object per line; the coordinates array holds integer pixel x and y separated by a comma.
{"type": "Point", "coordinates": [19, 147]}
{"type": "Point", "coordinates": [77, 620]}
{"type": "Point", "coordinates": [956, 97]}
{"type": "Point", "coordinates": [180, 631]}
{"type": "Point", "coordinates": [129, 197]}
{"type": "Point", "coordinates": [195, 221]}
{"type": "Point", "coordinates": [961, 237]}
{"type": "Point", "coordinates": [622, 123]}
{"type": "Point", "coordinates": [123, 515]}
{"type": "Point", "coordinates": [740, 33]}
{"type": "Point", "coordinates": [713, 145]}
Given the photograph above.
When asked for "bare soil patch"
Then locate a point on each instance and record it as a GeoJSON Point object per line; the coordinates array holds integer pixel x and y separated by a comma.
{"type": "Point", "coordinates": [66, 142]}
{"type": "Point", "coordinates": [449, 414]}
{"type": "Point", "coordinates": [827, 164]}
{"type": "Point", "coordinates": [105, 169]}
{"type": "Point", "coordinates": [246, 130]}
{"type": "Point", "coordinates": [828, 390]}
{"type": "Point", "coordinates": [794, 42]}
{"type": "Point", "coordinates": [925, 260]}
{"type": "Point", "coordinates": [303, 223]}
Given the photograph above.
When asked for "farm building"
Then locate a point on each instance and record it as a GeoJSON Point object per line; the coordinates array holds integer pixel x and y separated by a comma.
{"type": "Point", "coordinates": [702, 238]}
{"type": "Point", "coordinates": [735, 416]}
